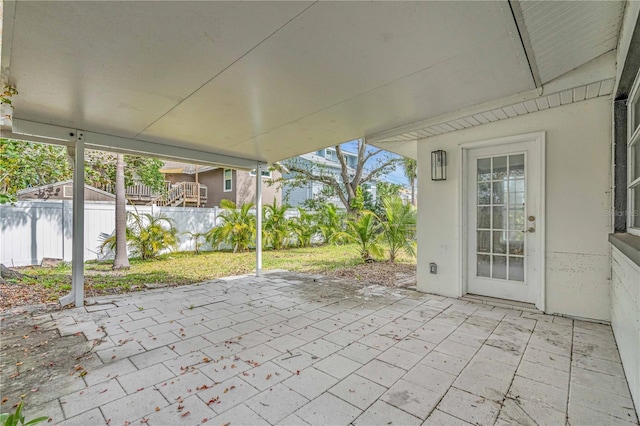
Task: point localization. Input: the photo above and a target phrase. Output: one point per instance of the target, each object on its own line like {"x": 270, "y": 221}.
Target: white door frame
{"x": 540, "y": 139}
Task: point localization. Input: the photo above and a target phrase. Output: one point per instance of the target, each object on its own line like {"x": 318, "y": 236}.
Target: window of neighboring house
{"x": 633, "y": 158}
{"x": 330, "y": 154}
{"x": 264, "y": 173}
{"x": 227, "y": 180}
{"x": 67, "y": 191}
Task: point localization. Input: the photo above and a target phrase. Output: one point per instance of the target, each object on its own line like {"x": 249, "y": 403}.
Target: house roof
{"x": 63, "y": 183}
{"x": 186, "y": 168}
{"x": 242, "y": 82}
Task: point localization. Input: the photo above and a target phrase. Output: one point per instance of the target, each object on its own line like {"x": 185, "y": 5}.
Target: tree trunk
{"x": 413, "y": 192}
{"x": 121, "y": 260}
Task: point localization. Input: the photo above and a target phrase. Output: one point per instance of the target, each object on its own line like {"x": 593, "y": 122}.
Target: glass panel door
{"x": 501, "y": 222}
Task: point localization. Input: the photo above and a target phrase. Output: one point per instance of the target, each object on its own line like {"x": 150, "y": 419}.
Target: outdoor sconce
{"x": 438, "y": 165}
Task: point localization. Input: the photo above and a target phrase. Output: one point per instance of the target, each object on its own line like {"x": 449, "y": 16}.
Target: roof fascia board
{"x": 40, "y": 132}
{"x": 600, "y": 68}
{"x": 630, "y": 24}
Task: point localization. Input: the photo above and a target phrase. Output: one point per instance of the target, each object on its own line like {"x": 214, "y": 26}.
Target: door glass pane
{"x": 484, "y": 265}
{"x": 497, "y": 193}
{"x": 636, "y": 112}
{"x": 499, "y": 217}
{"x": 516, "y": 268}
{"x": 484, "y": 241}
{"x": 501, "y": 197}
{"x": 484, "y": 217}
{"x": 516, "y": 218}
{"x": 484, "y": 193}
{"x": 516, "y": 243}
{"x": 484, "y": 169}
{"x": 516, "y": 166}
{"x": 499, "y": 269}
{"x": 635, "y": 214}
{"x": 499, "y": 168}
{"x": 635, "y": 152}
{"x": 499, "y": 243}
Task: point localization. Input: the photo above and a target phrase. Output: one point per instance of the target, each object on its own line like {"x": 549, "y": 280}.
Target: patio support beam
{"x": 77, "y": 259}
{"x": 259, "y": 219}
{"x": 62, "y": 136}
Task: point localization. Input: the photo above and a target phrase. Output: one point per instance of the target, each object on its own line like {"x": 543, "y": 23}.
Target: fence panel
{"x": 32, "y": 230}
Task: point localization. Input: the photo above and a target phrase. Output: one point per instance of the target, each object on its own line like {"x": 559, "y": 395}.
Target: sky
{"x": 396, "y": 176}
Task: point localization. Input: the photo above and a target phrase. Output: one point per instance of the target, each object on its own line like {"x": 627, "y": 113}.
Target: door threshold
{"x": 501, "y": 303}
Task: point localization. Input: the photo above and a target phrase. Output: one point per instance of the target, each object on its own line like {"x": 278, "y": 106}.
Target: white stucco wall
{"x": 625, "y": 317}
{"x": 578, "y": 158}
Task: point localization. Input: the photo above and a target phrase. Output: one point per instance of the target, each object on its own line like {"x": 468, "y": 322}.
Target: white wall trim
{"x": 540, "y": 139}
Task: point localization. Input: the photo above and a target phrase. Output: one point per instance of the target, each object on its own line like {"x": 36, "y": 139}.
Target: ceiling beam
{"x": 518, "y": 18}
{"x": 47, "y": 133}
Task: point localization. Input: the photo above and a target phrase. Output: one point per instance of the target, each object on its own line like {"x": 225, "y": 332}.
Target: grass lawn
{"x": 47, "y": 284}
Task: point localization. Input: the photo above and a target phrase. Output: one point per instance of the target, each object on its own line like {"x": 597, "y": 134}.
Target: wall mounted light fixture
{"x": 438, "y": 165}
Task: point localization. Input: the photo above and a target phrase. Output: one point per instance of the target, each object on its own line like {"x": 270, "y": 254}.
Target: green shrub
{"x": 399, "y": 229}
{"x": 237, "y": 228}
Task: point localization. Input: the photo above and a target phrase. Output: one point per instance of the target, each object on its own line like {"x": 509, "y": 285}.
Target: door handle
{"x": 531, "y": 230}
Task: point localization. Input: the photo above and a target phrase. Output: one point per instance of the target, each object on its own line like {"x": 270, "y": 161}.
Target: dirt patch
{"x": 400, "y": 275}
{"x": 34, "y": 359}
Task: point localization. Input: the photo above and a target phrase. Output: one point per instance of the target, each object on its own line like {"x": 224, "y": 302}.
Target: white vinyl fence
{"x": 33, "y": 230}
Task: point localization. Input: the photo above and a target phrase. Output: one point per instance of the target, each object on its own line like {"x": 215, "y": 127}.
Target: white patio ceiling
{"x": 268, "y": 80}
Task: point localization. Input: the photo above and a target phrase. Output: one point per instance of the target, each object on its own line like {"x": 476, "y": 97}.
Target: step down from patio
{"x": 502, "y": 303}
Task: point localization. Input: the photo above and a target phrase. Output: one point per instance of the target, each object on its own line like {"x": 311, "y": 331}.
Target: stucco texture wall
{"x": 578, "y": 183}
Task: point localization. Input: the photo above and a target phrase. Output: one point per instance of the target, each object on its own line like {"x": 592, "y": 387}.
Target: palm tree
{"x": 330, "y": 222}
{"x": 399, "y": 229}
{"x": 121, "y": 260}
{"x": 147, "y": 235}
{"x": 304, "y": 227}
{"x": 238, "y": 227}
{"x": 364, "y": 230}
{"x": 277, "y": 227}
{"x": 411, "y": 173}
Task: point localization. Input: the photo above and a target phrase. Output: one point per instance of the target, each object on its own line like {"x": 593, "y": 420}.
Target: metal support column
{"x": 258, "y": 220}
{"x": 77, "y": 257}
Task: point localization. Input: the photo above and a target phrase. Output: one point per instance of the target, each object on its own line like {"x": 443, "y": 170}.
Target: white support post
{"x": 77, "y": 260}
{"x": 258, "y": 220}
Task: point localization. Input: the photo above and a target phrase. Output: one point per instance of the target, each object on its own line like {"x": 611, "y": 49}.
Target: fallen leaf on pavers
{"x": 83, "y": 373}
{"x": 233, "y": 366}
{"x": 127, "y": 423}
{"x": 185, "y": 414}
{"x": 232, "y": 388}
{"x": 4, "y": 400}
{"x": 180, "y": 407}
{"x": 226, "y": 424}
{"x": 244, "y": 373}
{"x": 205, "y": 359}
{"x": 215, "y": 400}
{"x": 204, "y": 420}
{"x": 297, "y": 372}
{"x": 203, "y": 387}
{"x": 18, "y": 364}
{"x": 268, "y": 376}
{"x": 25, "y": 336}
{"x": 157, "y": 408}
{"x": 226, "y": 390}
{"x": 108, "y": 421}
{"x": 145, "y": 421}
{"x": 104, "y": 390}
{"x": 351, "y": 390}
{"x": 138, "y": 390}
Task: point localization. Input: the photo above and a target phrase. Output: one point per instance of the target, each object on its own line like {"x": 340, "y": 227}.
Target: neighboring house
{"x": 323, "y": 161}
{"x": 63, "y": 191}
{"x": 216, "y": 184}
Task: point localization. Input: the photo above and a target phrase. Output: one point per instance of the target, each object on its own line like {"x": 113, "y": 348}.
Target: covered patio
{"x": 293, "y": 349}
{"x": 524, "y": 118}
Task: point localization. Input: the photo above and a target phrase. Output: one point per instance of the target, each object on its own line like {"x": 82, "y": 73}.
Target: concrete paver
{"x": 294, "y": 349}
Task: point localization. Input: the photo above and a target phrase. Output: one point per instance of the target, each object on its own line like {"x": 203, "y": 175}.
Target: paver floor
{"x": 293, "y": 349}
